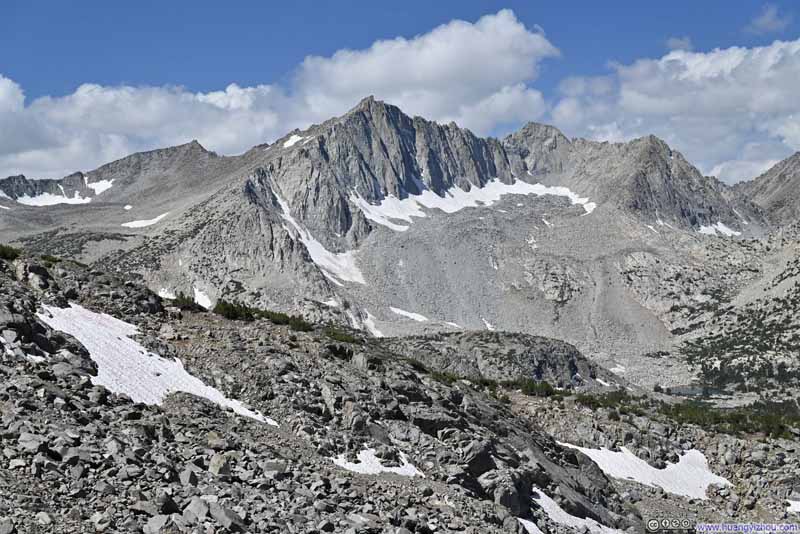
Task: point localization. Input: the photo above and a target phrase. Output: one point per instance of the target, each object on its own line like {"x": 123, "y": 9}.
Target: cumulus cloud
{"x": 680, "y": 43}
{"x": 477, "y": 74}
{"x": 732, "y": 111}
{"x": 770, "y": 20}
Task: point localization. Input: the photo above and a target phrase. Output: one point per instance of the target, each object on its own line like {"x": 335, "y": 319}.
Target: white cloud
{"x": 477, "y": 74}
{"x": 680, "y": 43}
{"x": 770, "y": 20}
{"x": 730, "y": 111}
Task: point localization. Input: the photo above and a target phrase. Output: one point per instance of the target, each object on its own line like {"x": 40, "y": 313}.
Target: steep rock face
{"x": 644, "y": 177}
{"x": 74, "y": 186}
{"x": 375, "y": 151}
{"x": 777, "y": 190}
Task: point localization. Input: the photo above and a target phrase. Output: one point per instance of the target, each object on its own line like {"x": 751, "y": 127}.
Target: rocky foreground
{"x": 383, "y": 436}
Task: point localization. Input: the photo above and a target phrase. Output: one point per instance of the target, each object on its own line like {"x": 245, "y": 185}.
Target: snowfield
{"x": 142, "y": 224}
{"x": 393, "y": 209}
{"x": 562, "y": 517}
{"x": 689, "y": 477}
{"x": 793, "y": 507}
{"x": 165, "y": 293}
{"x": 124, "y": 366}
{"x": 98, "y": 186}
{"x": 369, "y": 464}
{"x": 49, "y": 199}
{"x": 719, "y": 227}
{"x": 529, "y": 526}
{"x": 202, "y": 299}
{"x": 411, "y": 315}
{"x": 335, "y": 266}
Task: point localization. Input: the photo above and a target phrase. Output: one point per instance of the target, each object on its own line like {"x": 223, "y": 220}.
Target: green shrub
{"x": 340, "y": 336}
{"x": 186, "y": 303}
{"x": 444, "y": 377}
{"x": 240, "y": 312}
{"x": 9, "y": 253}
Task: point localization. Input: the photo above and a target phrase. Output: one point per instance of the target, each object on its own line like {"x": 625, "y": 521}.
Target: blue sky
{"x": 595, "y": 57}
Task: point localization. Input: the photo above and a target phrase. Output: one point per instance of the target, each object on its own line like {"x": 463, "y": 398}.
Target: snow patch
{"x": 124, "y": 366}
{"x": 49, "y": 199}
{"x": 602, "y": 382}
{"x": 341, "y": 266}
{"x": 652, "y": 229}
{"x": 562, "y": 517}
{"x": 719, "y": 227}
{"x": 333, "y": 303}
{"x": 127, "y": 207}
{"x": 294, "y": 139}
{"x": 618, "y": 369}
{"x": 142, "y": 224}
{"x": 99, "y": 186}
{"x": 202, "y": 299}
{"x": 369, "y": 464}
{"x": 369, "y": 323}
{"x": 392, "y": 209}
{"x": 165, "y": 293}
{"x": 529, "y": 526}
{"x": 411, "y": 315}
{"x": 689, "y": 477}
{"x": 454, "y": 325}
{"x": 793, "y": 507}
{"x": 489, "y": 326}
{"x": 4, "y": 208}
{"x": 547, "y": 223}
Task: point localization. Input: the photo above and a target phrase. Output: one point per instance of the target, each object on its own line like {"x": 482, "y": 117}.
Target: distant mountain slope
{"x": 400, "y": 225}
{"x": 777, "y": 190}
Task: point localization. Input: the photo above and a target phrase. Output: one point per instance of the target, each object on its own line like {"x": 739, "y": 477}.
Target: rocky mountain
{"x": 397, "y": 225}
{"x": 777, "y": 191}
{"x": 122, "y": 413}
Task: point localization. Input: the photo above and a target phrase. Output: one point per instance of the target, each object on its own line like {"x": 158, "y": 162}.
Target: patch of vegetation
{"x": 49, "y": 260}
{"x": 186, "y": 303}
{"x": 444, "y": 377}
{"x": 240, "y": 312}
{"x": 341, "y": 336}
{"x": 534, "y": 388}
{"x": 775, "y": 419}
{"x": 9, "y": 253}
{"x": 417, "y": 365}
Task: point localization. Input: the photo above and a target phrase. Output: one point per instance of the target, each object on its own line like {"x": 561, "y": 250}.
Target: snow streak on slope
{"x": 369, "y": 464}
{"x": 411, "y": 315}
{"x": 690, "y": 477}
{"x": 455, "y": 199}
{"x": 562, "y": 517}
{"x": 341, "y": 266}
{"x": 142, "y": 224}
{"x": 124, "y": 366}
{"x": 719, "y": 227}
{"x": 292, "y": 140}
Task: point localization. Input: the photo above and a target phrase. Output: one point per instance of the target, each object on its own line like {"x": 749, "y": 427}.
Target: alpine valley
{"x": 381, "y": 324}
